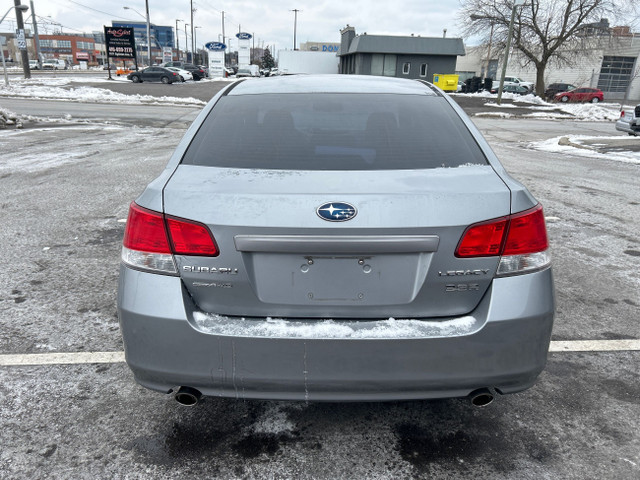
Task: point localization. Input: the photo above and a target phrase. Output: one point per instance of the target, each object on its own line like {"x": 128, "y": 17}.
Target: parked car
{"x": 154, "y": 74}
{"x": 185, "y": 75}
{"x": 555, "y": 88}
{"x": 205, "y": 69}
{"x": 275, "y": 259}
{"x": 582, "y": 94}
{"x": 243, "y": 72}
{"x": 629, "y": 120}
{"x": 123, "y": 71}
{"x": 33, "y": 65}
{"x": 517, "y": 89}
{"x": 54, "y": 64}
{"x": 197, "y": 72}
{"x": 510, "y": 80}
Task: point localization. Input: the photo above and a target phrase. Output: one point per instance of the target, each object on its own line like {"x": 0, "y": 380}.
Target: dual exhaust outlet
{"x": 189, "y": 397}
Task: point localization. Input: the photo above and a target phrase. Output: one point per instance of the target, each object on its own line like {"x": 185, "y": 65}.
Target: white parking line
{"x": 61, "y": 358}
{"x": 595, "y": 346}
{"x": 35, "y": 359}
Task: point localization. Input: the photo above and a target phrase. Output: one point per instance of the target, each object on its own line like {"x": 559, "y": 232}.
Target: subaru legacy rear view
{"x": 335, "y": 238}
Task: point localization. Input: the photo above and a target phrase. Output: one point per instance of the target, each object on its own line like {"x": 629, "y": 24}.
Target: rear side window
{"x": 333, "y": 132}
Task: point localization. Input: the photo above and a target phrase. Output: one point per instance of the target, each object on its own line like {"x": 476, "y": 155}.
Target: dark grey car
{"x": 335, "y": 238}
{"x": 154, "y": 74}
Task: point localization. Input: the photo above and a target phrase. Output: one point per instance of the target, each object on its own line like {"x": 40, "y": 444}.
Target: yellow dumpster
{"x": 446, "y": 82}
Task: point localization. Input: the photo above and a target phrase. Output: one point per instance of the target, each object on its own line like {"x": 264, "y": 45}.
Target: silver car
{"x": 335, "y": 238}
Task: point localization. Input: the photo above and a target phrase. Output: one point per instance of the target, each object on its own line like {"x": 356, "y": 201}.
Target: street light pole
{"x": 295, "y": 25}
{"x": 516, "y": 3}
{"x": 18, "y": 8}
{"x": 195, "y": 41}
{"x": 178, "y": 38}
{"x": 186, "y": 42}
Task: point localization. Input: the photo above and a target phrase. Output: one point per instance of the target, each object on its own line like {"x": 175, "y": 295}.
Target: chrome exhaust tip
{"x": 481, "y": 397}
{"x": 187, "y": 396}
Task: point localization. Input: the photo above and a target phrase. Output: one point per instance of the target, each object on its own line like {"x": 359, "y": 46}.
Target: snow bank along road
{"x": 71, "y": 408}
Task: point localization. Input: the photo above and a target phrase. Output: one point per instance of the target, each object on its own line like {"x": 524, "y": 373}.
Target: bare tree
{"x": 543, "y": 30}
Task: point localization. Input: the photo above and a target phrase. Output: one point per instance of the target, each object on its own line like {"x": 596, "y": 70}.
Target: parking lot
{"x": 70, "y": 407}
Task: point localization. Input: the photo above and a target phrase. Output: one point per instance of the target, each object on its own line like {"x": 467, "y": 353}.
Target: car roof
{"x": 332, "y": 84}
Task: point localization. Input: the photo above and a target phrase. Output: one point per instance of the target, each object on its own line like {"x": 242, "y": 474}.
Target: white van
{"x": 54, "y": 64}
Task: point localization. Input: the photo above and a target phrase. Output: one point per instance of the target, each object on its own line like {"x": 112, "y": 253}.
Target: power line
{"x": 96, "y": 10}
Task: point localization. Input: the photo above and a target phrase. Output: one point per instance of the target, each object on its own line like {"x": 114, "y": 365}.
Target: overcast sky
{"x": 270, "y": 20}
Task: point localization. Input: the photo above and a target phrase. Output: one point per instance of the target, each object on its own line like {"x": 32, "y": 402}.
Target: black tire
{"x": 196, "y": 77}
{"x": 564, "y": 99}
{"x": 595, "y": 100}
{"x": 136, "y": 79}
{"x": 182, "y": 78}
{"x": 165, "y": 80}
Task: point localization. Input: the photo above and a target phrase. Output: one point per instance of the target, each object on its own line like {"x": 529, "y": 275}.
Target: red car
{"x": 581, "y": 94}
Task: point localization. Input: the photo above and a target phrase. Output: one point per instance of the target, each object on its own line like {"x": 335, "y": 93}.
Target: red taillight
{"x": 190, "y": 238}
{"x": 525, "y": 233}
{"x": 145, "y": 231}
{"x": 482, "y": 239}
{"x": 622, "y": 114}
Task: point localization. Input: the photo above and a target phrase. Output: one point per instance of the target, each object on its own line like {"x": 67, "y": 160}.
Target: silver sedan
{"x": 335, "y": 238}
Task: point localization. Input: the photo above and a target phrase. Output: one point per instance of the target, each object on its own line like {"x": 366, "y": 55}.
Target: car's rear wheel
{"x": 164, "y": 80}
{"x": 182, "y": 78}
{"x": 564, "y": 99}
{"x": 595, "y": 100}
{"x": 135, "y": 79}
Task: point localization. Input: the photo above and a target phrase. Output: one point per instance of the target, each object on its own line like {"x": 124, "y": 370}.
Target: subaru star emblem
{"x": 336, "y": 211}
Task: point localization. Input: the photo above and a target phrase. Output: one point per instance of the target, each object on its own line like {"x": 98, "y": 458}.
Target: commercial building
{"x": 72, "y": 48}
{"x": 405, "y": 57}
{"x": 320, "y": 47}
{"x": 607, "y": 59}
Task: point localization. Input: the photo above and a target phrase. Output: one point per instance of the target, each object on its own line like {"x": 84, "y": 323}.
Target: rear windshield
{"x": 333, "y": 132}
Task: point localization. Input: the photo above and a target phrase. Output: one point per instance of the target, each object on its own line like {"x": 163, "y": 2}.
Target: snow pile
{"x": 324, "y": 329}
{"x": 91, "y": 95}
{"x": 579, "y": 145}
{"x": 593, "y": 112}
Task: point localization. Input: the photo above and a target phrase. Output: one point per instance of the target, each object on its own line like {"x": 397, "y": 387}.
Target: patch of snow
{"x": 502, "y": 105}
{"x": 326, "y": 329}
{"x": 552, "y": 145}
{"x": 494, "y": 114}
{"x": 51, "y": 89}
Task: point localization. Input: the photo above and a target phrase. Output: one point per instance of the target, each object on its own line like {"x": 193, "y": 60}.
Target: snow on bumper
{"x": 502, "y": 344}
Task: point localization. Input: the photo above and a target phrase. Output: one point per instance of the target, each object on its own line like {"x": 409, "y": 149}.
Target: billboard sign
{"x": 167, "y": 54}
{"x": 244, "y": 36}
{"x": 120, "y": 42}
{"x": 215, "y": 46}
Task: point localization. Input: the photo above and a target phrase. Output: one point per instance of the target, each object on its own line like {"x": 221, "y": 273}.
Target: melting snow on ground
{"x": 581, "y": 145}
{"x": 323, "y": 329}
{"x": 61, "y": 89}
{"x": 587, "y": 112}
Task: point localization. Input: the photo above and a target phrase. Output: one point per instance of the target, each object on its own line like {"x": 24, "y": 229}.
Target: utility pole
{"x": 178, "y": 38}
{"x": 192, "y": 45}
{"x": 186, "y": 42}
{"x": 35, "y": 33}
{"x": 148, "y": 33}
{"x": 295, "y": 25}
{"x": 23, "y": 53}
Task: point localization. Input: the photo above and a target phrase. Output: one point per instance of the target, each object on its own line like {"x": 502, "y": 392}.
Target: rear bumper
{"x": 623, "y": 126}
{"x": 504, "y": 346}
